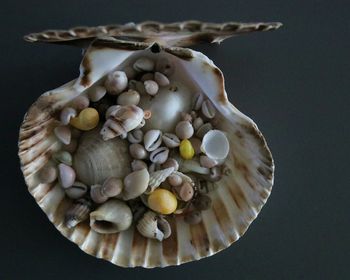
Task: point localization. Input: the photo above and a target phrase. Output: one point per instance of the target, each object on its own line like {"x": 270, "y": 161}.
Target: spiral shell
{"x": 78, "y": 212}
{"x": 121, "y": 121}
{"x": 150, "y": 227}
{"x": 111, "y": 217}
{"x": 158, "y": 177}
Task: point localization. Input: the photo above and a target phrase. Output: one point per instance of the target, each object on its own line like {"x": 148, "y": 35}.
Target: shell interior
{"x": 237, "y": 198}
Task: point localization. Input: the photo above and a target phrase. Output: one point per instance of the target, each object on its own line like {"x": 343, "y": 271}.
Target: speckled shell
{"x": 237, "y": 198}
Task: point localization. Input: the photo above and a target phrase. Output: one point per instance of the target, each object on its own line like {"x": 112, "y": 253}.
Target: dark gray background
{"x": 293, "y": 82}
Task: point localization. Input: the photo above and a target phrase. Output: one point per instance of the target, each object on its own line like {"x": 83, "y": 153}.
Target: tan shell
{"x": 94, "y": 161}
{"x": 239, "y": 196}
{"x": 158, "y": 177}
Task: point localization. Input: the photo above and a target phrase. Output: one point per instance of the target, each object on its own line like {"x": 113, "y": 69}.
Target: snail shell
{"x": 96, "y": 93}
{"x": 111, "y": 217}
{"x": 171, "y": 140}
{"x": 122, "y": 120}
{"x": 144, "y": 64}
{"x": 78, "y": 212}
{"x": 135, "y": 184}
{"x": 96, "y": 159}
{"x": 215, "y": 145}
{"x": 135, "y": 136}
{"x": 158, "y": 177}
{"x": 153, "y": 226}
{"x": 130, "y": 97}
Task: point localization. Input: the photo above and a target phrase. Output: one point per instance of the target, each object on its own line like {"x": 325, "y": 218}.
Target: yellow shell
{"x": 86, "y": 120}
{"x": 186, "y": 149}
{"x": 162, "y": 201}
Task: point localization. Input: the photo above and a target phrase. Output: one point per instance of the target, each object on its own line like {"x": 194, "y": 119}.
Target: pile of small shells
{"x": 167, "y": 169}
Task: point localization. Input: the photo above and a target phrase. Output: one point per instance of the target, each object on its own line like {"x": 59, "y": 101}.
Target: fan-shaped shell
{"x": 236, "y": 201}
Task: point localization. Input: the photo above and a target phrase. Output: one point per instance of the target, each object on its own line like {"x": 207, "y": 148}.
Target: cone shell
{"x": 236, "y": 201}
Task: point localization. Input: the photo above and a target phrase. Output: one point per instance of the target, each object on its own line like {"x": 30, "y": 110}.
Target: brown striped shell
{"x": 236, "y": 199}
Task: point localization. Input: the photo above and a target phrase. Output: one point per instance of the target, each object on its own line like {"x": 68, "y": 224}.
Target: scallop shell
{"x": 158, "y": 177}
{"x": 239, "y": 196}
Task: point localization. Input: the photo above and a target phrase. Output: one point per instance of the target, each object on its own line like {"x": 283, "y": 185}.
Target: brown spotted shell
{"x": 236, "y": 199}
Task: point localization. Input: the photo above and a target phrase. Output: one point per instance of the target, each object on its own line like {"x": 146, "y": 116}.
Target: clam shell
{"x": 236, "y": 201}
{"x": 95, "y": 159}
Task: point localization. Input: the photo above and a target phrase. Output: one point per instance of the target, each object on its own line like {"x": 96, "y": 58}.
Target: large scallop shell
{"x": 239, "y": 196}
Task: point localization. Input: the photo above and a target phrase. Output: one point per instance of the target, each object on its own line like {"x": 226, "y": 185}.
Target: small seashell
{"x": 135, "y": 184}
{"x": 215, "y": 145}
{"x": 165, "y": 66}
{"x": 147, "y": 114}
{"x": 67, "y": 114}
{"x": 193, "y": 115}
{"x": 135, "y": 136}
{"x": 202, "y": 130}
{"x": 193, "y": 218}
{"x": 112, "y": 187}
{"x": 147, "y": 76}
{"x": 63, "y": 157}
{"x": 152, "y": 139}
{"x": 96, "y": 93}
{"x": 196, "y": 144}
{"x": 197, "y": 101}
{"x": 202, "y": 202}
{"x": 184, "y": 191}
{"x": 116, "y": 82}
{"x": 175, "y": 180}
{"x": 86, "y": 120}
{"x": 208, "y": 109}
{"x": 111, "y": 217}
{"x": 47, "y": 174}
{"x": 151, "y": 87}
{"x": 184, "y": 177}
{"x": 162, "y": 201}
{"x": 161, "y": 79}
{"x": 154, "y": 167}
{"x": 197, "y": 123}
{"x": 144, "y": 64}
{"x": 78, "y": 212}
{"x": 130, "y": 97}
{"x": 63, "y": 134}
{"x": 111, "y": 110}
{"x": 72, "y": 146}
{"x": 130, "y": 72}
{"x": 138, "y": 164}
{"x": 171, "y": 140}
{"x": 159, "y": 155}
{"x": 171, "y": 162}
{"x": 186, "y": 117}
{"x": 96, "y": 195}
{"x": 215, "y": 174}
{"x": 207, "y": 162}
{"x": 80, "y": 103}
{"x": 137, "y": 151}
{"x": 158, "y": 177}
{"x": 186, "y": 149}
{"x": 184, "y": 130}
{"x": 66, "y": 175}
{"x": 193, "y": 166}
{"x": 153, "y": 226}
{"x": 121, "y": 121}
{"x": 142, "y": 124}
{"x": 77, "y": 190}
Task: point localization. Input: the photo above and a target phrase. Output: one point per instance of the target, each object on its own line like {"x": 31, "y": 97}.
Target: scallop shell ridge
{"x": 236, "y": 202}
